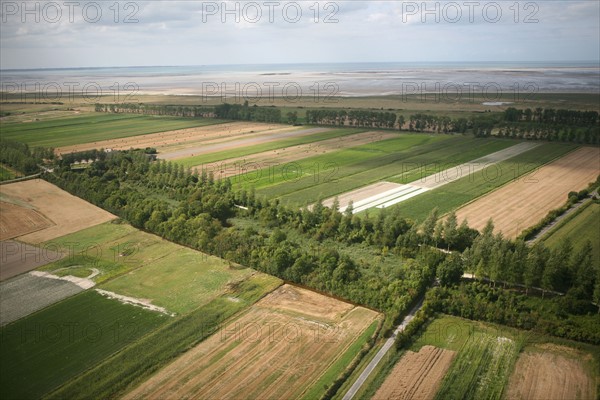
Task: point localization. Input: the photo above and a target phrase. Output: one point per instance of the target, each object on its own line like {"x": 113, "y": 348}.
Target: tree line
{"x": 551, "y": 124}
{"x": 157, "y": 109}
{"x": 23, "y": 158}
{"x": 538, "y": 124}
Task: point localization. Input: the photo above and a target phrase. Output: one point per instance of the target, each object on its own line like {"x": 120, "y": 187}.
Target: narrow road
{"x": 571, "y": 210}
{"x": 382, "y": 352}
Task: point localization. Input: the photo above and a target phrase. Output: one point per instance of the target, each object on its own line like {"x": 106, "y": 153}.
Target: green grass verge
{"x": 259, "y": 148}
{"x": 93, "y": 127}
{"x": 582, "y": 226}
{"x": 46, "y": 349}
{"x": 124, "y": 370}
{"x": 455, "y": 194}
{"x": 337, "y": 368}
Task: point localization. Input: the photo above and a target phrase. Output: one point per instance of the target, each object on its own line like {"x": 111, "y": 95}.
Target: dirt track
{"x": 68, "y": 213}
{"x": 550, "y": 375}
{"x": 251, "y": 163}
{"x": 270, "y": 352}
{"x": 524, "y": 202}
{"x": 417, "y": 375}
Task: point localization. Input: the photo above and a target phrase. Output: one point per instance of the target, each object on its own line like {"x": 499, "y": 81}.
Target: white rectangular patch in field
{"x": 380, "y": 194}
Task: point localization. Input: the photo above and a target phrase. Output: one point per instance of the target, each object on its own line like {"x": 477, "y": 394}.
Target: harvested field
{"x": 238, "y": 142}
{"x": 555, "y": 373}
{"x": 417, "y": 375}
{"x": 68, "y": 213}
{"x": 17, "y": 221}
{"x": 19, "y": 257}
{"x": 28, "y": 293}
{"x": 250, "y": 164}
{"x": 270, "y": 352}
{"x": 524, "y": 202}
{"x": 180, "y": 137}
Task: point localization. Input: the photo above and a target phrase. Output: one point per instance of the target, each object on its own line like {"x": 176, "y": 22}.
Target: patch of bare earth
{"x": 550, "y": 375}
{"x": 249, "y": 164}
{"x": 275, "y": 350}
{"x": 417, "y": 375}
{"x": 68, "y": 213}
{"x": 522, "y": 203}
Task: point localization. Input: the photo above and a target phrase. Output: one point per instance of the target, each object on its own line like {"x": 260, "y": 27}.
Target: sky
{"x": 62, "y": 34}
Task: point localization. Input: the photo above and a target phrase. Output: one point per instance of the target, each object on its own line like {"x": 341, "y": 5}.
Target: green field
{"x": 46, "y": 349}
{"x": 455, "y": 194}
{"x": 259, "y": 148}
{"x": 138, "y": 361}
{"x": 137, "y": 264}
{"x": 578, "y": 228}
{"x": 485, "y": 357}
{"x": 400, "y": 159}
{"x": 93, "y": 127}
{"x": 180, "y": 281}
{"x": 112, "y": 248}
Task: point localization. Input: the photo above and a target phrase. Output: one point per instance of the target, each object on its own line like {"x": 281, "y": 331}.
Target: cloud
{"x": 197, "y": 32}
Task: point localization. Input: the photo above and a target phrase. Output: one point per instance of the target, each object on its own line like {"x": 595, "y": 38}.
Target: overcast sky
{"x": 194, "y": 33}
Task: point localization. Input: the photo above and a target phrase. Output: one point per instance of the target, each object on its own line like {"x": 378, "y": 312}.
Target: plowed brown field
{"x": 417, "y": 375}
{"x": 67, "y": 213}
{"x": 549, "y": 375}
{"x": 524, "y": 202}
{"x": 276, "y": 350}
{"x": 174, "y": 140}
{"x": 17, "y": 220}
